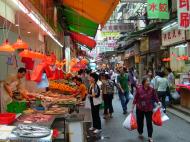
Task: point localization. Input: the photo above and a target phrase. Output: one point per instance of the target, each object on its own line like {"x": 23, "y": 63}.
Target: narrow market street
{"x": 70, "y": 67}
{"x": 174, "y": 130}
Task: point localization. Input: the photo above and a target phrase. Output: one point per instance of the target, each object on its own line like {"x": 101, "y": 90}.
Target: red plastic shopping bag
{"x": 29, "y": 63}
{"x": 61, "y": 74}
{"x": 37, "y": 73}
{"x": 157, "y": 117}
{"x": 55, "y": 75}
{"x": 130, "y": 122}
{"x": 49, "y": 72}
{"x": 28, "y": 77}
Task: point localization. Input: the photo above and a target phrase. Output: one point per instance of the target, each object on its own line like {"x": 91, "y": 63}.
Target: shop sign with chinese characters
{"x": 158, "y": 9}
{"x": 172, "y": 36}
{"x": 106, "y": 44}
{"x": 184, "y": 14}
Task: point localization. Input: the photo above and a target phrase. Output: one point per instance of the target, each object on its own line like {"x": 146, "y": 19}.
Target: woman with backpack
{"x": 108, "y": 92}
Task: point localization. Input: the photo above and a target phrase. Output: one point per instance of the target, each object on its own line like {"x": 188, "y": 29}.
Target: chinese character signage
{"x": 172, "y": 36}
{"x": 158, "y": 9}
{"x": 184, "y": 14}
{"x": 106, "y": 44}
{"x": 122, "y": 27}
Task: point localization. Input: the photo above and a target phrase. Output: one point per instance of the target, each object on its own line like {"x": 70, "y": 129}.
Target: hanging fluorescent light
{"x": 181, "y": 46}
{"x": 36, "y": 19}
{"x": 169, "y": 26}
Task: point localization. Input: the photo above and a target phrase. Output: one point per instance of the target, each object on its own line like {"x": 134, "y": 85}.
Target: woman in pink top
{"x": 144, "y": 100}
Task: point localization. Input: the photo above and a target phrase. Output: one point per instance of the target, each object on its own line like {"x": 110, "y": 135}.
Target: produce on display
{"x": 61, "y": 86}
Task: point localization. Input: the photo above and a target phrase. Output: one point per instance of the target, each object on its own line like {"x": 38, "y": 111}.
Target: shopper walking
{"x": 143, "y": 100}
{"x": 95, "y": 101}
{"x": 162, "y": 89}
{"x": 153, "y": 82}
{"x": 108, "y": 92}
{"x": 171, "y": 77}
{"x": 123, "y": 88}
{"x": 132, "y": 80}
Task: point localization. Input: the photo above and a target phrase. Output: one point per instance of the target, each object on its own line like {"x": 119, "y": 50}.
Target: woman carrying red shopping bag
{"x": 144, "y": 99}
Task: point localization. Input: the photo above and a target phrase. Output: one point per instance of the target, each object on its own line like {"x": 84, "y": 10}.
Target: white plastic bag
{"x": 175, "y": 95}
{"x": 87, "y": 103}
{"x": 130, "y": 122}
{"x": 164, "y": 117}
{"x": 131, "y": 96}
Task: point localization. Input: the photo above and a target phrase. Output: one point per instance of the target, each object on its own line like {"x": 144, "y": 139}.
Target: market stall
{"x": 185, "y": 95}
{"x": 47, "y": 110}
{"x": 48, "y": 114}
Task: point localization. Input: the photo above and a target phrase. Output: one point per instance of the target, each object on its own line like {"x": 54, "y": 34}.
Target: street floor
{"x": 174, "y": 130}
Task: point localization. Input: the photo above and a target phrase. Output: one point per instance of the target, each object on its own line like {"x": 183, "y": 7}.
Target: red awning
{"x": 82, "y": 39}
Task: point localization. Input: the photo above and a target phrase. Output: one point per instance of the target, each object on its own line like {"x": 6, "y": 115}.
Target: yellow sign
{"x": 110, "y": 34}
{"x": 137, "y": 59}
{"x": 144, "y": 45}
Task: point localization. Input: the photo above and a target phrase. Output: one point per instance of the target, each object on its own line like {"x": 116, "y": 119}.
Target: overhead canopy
{"x": 78, "y": 23}
{"x": 82, "y": 39}
{"x": 98, "y": 11}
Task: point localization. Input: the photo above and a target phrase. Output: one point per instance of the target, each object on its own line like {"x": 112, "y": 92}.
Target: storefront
{"x": 174, "y": 40}
{"x": 130, "y": 55}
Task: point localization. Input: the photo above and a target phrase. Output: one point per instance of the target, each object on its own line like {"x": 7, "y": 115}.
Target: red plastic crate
{"x": 7, "y": 118}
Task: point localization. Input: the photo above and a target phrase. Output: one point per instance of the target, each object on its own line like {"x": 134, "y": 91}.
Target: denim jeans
{"x": 124, "y": 98}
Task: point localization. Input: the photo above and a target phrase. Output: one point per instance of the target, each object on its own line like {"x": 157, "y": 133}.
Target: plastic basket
{"x": 7, "y": 118}
{"x": 16, "y": 107}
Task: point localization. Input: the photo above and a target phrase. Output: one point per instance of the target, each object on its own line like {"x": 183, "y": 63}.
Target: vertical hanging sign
{"x": 157, "y": 9}
{"x": 183, "y": 14}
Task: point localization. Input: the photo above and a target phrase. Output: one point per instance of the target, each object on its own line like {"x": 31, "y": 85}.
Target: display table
{"x": 185, "y": 95}
{"x": 56, "y": 122}
{"x": 14, "y": 138}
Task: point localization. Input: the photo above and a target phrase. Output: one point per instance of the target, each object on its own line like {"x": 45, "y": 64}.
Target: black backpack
{"x": 110, "y": 87}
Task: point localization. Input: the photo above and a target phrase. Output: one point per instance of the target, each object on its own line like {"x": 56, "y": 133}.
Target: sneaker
{"x": 97, "y": 131}
{"x": 91, "y": 128}
{"x": 150, "y": 140}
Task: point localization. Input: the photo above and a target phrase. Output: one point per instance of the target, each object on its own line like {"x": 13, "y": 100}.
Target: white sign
{"x": 106, "y": 44}
{"x": 183, "y": 7}
{"x": 172, "y": 36}
{"x": 122, "y": 27}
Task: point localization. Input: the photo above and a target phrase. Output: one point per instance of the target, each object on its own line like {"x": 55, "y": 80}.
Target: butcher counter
{"x": 66, "y": 125}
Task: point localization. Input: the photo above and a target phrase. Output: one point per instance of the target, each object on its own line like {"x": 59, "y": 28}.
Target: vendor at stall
{"x": 13, "y": 89}
{"x": 82, "y": 90}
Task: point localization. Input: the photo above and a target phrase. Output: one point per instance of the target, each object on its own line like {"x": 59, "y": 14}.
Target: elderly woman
{"x": 144, "y": 100}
